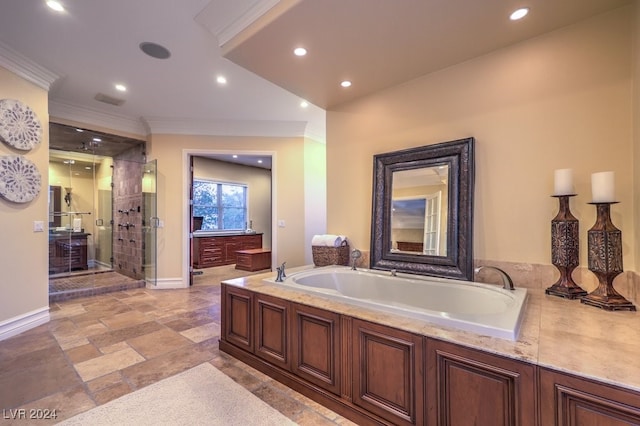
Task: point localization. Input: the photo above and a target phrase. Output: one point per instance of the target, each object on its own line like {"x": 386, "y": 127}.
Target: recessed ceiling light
{"x": 519, "y": 14}
{"x": 260, "y": 161}
{"x": 304, "y": 104}
{"x": 87, "y": 168}
{"x": 55, "y": 5}
{"x": 235, "y": 156}
{"x": 97, "y": 140}
{"x": 121, "y": 87}
{"x": 155, "y": 50}
{"x": 299, "y": 51}
{"x": 345, "y": 83}
{"x": 79, "y": 130}
{"x": 221, "y": 80}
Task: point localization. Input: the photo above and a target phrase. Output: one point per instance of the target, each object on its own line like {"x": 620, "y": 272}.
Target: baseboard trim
{"x": 16, "y": 325}
{"x": 167, "y": 283}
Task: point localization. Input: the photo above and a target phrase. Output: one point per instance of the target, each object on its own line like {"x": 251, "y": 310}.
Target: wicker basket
{"x": 324, "y": 256}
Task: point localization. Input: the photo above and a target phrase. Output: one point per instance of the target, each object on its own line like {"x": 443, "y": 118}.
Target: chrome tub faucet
{"x": 507, "y": 282}
{"x": 281, "y": 273}
{"x": 355, "y": 255}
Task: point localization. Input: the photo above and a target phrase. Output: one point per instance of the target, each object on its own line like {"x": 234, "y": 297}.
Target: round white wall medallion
{"x": 19, "y": 125}
{"x": 19, "y": 179}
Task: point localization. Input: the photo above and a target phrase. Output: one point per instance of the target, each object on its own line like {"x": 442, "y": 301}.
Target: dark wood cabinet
{"x": 221, "y": 250}
{"x": 316, "y": 337}
{"x": 567, "y": 400}
{"x": 470, "y": 387}
{"x": 237, "y": 317}
{"x": 67, "y": 252}
{"x": 253, "y": 259}
{"x": 272, "y": 330}
{"x": 380, "y": 375}
{"x": 388, "y": 372}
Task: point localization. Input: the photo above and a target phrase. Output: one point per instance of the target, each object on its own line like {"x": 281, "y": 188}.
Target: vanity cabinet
{"x": 470, "y": 387}
{"x": 221, "y": 250}
{"x": 567, "y": 400}
{"x": 67, "y": 252}
{"x": 388, "y": 372}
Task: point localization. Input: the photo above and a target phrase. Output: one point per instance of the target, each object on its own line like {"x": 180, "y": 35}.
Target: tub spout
{"x": 507, "y": 283}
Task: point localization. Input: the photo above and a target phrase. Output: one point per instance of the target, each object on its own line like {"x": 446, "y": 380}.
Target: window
{"x": 222, "y": 205}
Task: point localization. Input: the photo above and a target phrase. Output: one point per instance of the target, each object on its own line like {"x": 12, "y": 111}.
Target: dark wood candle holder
{"x": 605, "y": 261}
{"x": 565, "y": 250}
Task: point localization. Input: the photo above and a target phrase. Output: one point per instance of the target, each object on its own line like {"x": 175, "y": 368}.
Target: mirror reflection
{"x": 419, "y": 207}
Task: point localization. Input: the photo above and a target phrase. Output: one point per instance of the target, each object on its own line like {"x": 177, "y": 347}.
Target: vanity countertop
{"x": 562, "y": 334}
{"x": 200, "y": 234}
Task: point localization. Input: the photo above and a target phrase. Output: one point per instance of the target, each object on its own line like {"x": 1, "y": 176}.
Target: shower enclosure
{"x": 101, "y": 213}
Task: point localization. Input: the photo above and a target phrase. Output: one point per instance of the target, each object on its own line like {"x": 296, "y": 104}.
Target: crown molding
{"x": 159, "y": 125}
{"x": 266, "y": 128}
{"x": 234, "y": 22}
{"x": 26, "y": 68}
{"x": 86, "y": 115}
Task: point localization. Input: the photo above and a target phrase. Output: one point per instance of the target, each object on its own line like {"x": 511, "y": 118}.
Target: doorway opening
{"x": 230, "y": 214}
{"x": 101, "y": 210}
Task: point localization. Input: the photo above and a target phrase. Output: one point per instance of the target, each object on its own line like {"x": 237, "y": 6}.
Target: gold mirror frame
{"x": 457, "y": 263}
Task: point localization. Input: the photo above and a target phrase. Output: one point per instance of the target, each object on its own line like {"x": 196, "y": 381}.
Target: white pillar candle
{"x": 603, "y": 187}
{"x": 563, "y": 182}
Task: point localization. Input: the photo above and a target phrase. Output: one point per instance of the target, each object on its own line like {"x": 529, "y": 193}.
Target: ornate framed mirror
{"x": 423, "y": 210}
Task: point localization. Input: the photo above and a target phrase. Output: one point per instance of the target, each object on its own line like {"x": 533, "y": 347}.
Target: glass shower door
{"x": 150, "y": 221}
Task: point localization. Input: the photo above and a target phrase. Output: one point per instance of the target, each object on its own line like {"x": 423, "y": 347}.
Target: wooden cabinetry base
{"x": 319, "y": 395}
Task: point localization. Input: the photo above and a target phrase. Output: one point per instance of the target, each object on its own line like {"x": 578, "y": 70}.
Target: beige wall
{"x": 562, "y": 100}
{"x": 24, "y": 283}
{"x": 315, "y": 194}
{"x": 258, "y": 183}
{"x": 289, "y": 203}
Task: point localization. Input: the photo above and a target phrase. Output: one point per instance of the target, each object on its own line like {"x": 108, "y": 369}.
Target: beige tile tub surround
{"x": 537, "y": 276}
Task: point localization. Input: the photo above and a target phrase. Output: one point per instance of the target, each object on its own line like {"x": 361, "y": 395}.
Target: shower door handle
{"x": 154, "y": 222}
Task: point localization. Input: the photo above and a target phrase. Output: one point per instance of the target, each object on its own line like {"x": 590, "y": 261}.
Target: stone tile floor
{"x": 99, "y": 348}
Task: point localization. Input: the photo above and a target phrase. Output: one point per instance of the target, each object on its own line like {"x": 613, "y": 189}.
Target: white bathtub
{"x": 481, "y": 308}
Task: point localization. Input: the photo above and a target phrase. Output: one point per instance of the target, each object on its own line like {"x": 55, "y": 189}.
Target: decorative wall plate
{"x": 19, "y": 125}
{"x": 19, "y": 178}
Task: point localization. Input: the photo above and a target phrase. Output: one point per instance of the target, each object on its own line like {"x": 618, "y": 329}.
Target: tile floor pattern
{"x": 98, "y": 348}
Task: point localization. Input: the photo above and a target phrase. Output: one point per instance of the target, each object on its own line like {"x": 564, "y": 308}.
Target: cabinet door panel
{"x": 387, "y": 372}
{"x": 237, "y": 319}
{"x": 468, "y": 387}
{"x": 316, "y": 347}
{"x": 272, "y": 330}
{"x": 568, "y": 400}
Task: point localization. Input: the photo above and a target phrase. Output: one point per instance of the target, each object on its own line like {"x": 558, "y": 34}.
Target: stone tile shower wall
{"x": 128, "y": 214}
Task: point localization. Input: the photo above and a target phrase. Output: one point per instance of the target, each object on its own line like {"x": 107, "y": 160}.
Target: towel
{"x": 328, "y": 240}
{"x": 77, "y": 225}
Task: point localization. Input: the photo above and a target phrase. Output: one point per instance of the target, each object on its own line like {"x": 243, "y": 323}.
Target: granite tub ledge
{"x": 560, "y": 334}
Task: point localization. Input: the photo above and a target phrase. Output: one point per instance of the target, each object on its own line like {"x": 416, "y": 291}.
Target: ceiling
{"x": 376, "y": 44}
